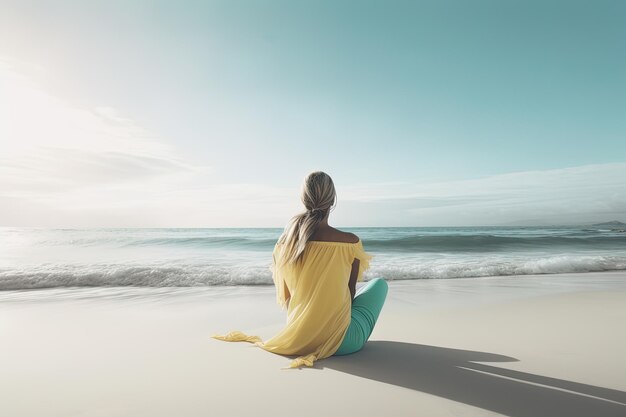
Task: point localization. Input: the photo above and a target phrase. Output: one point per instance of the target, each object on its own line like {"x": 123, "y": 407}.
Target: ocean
{"x": 32, "y": 258}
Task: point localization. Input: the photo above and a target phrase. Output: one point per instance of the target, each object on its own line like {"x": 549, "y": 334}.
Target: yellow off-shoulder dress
{"x": 318, "y": 311}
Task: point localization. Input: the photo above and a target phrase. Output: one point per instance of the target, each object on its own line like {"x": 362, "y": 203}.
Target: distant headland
{"x": 613, "y": 226}
{"x": 613, "y": 223}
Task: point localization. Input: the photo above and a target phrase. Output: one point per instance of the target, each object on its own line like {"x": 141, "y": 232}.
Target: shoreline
{"x": 574, "y": 278}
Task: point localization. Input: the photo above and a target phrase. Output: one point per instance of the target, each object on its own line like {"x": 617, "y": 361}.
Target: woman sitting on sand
{"x": 315, "y": 269}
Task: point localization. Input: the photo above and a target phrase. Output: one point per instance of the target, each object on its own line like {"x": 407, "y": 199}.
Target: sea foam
{"x": 111, "y": 275}
{"x": 56, "y": 258}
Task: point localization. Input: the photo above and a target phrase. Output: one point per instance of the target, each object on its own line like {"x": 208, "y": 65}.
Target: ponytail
{"x": 319, "y": 197}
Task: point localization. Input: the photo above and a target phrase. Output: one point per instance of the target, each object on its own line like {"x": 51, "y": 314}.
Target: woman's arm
{"x": 353, "y": 276}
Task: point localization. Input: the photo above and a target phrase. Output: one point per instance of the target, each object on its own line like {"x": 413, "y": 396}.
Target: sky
{"x": 211, "y": 113}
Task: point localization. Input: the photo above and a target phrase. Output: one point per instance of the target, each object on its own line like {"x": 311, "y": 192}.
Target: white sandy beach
{"x": 549, "y": 345}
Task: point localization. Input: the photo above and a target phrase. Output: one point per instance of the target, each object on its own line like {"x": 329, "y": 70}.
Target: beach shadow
{"x": 455, "y": 375}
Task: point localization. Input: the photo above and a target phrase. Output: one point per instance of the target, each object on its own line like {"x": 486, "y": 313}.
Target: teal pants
{"x": 366, "y": 306}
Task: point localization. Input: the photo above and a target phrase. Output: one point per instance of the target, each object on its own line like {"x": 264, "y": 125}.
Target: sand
{"x": 550, "y": 345}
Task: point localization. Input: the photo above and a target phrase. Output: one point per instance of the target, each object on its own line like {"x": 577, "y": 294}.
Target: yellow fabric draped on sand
{"x": 317, "y": 298}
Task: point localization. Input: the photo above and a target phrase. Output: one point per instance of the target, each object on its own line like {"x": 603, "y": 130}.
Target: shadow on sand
{"x": 455, "y": 375}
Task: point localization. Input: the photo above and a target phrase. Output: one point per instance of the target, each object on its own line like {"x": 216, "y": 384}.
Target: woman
{"x": 315, "y": 269}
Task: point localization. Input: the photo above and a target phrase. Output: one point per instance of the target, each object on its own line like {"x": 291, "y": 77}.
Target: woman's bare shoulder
{"x": 350, "y": 237}
{"x": 331, "y": 234}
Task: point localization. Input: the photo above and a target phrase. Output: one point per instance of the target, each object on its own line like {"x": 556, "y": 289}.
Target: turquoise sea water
{"x": 48, "y": 258}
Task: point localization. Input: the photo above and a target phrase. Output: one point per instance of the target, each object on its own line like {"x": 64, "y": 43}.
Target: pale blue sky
{"x": 403, "y": 103}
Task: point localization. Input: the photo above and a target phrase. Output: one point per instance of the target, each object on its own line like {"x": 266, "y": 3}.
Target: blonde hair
{"x": 319, "y": 197}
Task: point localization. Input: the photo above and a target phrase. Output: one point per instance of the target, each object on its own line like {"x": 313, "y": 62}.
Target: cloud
{"x": 48, "y": 136}
{"x": 66, "y": 166}
{"x": 56, "y": 157}
{"x": 62, "y": 165}
{"x": 559, "y": 196}
{"x": 46, "y": 169}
